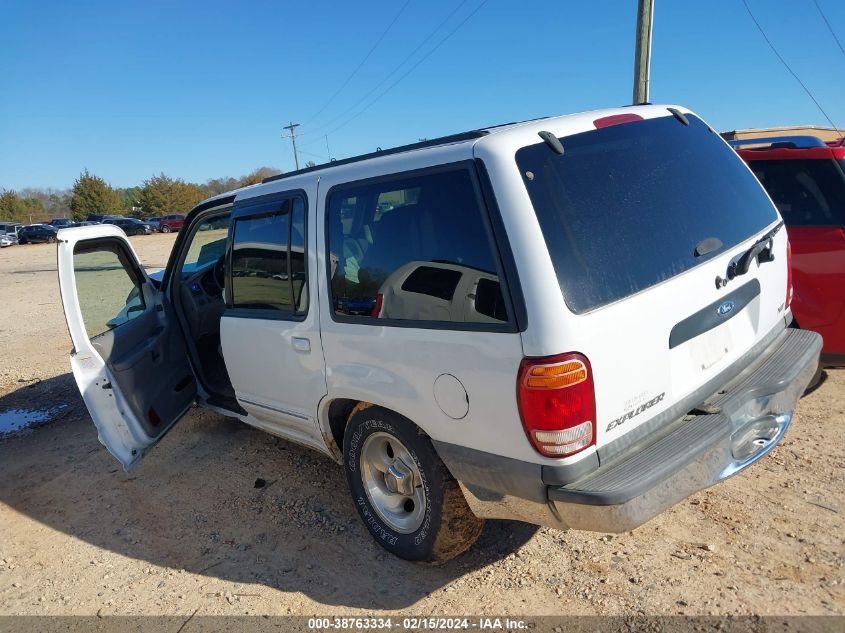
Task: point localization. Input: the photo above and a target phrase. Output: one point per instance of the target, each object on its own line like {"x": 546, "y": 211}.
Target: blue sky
{"x": 202, "y": 89}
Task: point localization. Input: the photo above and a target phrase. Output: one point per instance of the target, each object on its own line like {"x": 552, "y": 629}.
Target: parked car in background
{"x": 36, "y": 233}
{"x": 98, "y": 218}
{"x": 555, "y": 321}
{"x": 10, "y": 229}
{"x": 171, "y": 223}
{"x": 130, "y": 226}
{"x": 154, "y": 223}
{"x": 5, "y": 240}
{"x": 61, "y": 223}
{"x": 805, "y": 178}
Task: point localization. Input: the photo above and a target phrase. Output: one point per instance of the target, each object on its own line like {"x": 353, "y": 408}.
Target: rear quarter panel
{"x": 396, "y": 367}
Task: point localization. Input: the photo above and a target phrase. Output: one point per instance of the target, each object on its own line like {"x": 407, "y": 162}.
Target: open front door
{"x": 129, "y": 357}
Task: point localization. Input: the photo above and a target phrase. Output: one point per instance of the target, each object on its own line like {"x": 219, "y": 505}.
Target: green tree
{"x": 92, "y": 194}
{"x": 130, "y": 198}
{"x": 216, "y": 186}
{"x": 54, "y": 202}
{"x": 162, "y": 195}
{"x": 17, "y": 209}
{"x": 257, "y": 175}
{"x": 12, "y": 207}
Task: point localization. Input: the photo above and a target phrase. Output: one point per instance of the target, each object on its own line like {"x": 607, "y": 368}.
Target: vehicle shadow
{"x": 220, "y": 499}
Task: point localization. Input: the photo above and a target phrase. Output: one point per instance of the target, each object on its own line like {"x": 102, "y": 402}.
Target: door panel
{"x": 274, "y": 380}
{"x": 129, "y": 361}
{"x": 818, "y": 267}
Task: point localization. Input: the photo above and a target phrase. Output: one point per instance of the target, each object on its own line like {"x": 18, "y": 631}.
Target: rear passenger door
{"x": 403, "y": 325}
{"x": 270, "y": 329}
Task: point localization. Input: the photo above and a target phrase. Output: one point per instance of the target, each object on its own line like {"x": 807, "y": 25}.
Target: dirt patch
{"x": 188, "y": 531}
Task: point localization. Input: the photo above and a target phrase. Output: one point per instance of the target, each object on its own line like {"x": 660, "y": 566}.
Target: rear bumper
{"x": 727, "y": 432}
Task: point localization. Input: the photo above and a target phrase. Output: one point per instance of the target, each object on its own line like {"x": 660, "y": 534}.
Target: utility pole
{"x": 642, "y": 54}
{"x": 292, "y": 127}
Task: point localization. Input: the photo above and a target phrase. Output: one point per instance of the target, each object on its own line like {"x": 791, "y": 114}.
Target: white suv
{"x": 575, "y": 321}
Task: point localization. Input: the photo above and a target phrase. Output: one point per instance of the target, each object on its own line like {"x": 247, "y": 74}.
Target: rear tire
{"x": 429, "y": 519}
{"x": 165, "y": 229}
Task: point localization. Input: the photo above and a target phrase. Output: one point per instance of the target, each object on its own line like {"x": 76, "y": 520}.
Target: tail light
{"x": 557, "y": 403}
{"x": 788, "y": 275}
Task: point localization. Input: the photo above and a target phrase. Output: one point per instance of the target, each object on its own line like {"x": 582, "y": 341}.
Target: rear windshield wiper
{"x": 762, "y": 250}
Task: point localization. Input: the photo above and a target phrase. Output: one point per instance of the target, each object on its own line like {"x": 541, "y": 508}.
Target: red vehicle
{"x": 805, "y": 177}
{"x": 170, "y": 223}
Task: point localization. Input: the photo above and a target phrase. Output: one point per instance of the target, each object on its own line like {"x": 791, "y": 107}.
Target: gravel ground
{"x": 188, "y": 531}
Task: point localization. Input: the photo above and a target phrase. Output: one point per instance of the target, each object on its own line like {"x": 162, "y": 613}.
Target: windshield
{"x": 807, "y": 192}
{"x": 625, "y": 206}
{"x": 208, "y": 244}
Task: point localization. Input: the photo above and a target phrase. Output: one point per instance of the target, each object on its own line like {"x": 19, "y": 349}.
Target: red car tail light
{"x": 376, "y": 311}
{"x": 557, "y": 403}
{"x": 788, "y": 275}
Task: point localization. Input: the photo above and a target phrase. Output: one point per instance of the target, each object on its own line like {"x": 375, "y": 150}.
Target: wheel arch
{"x": 336, "y": 413}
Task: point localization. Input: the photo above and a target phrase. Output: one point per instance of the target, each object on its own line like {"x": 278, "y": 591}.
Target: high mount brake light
{"x": 557, "y": 403}
{"x": 616, "y": 119}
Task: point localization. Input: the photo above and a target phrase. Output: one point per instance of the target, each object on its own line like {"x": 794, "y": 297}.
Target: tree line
{"x": 90, "y": 194}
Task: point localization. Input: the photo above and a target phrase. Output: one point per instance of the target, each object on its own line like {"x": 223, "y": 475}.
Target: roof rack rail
{"x": 781, "y": 142}
{"x": 434, "y": 142}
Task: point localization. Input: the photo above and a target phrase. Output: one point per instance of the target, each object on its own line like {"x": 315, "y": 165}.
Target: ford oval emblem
{"x": 725, "y": 308}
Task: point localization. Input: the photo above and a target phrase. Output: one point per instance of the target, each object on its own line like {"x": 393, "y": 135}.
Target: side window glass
{"x": 109, "y": 295}
{"x": 269, "y": 265}
{"x": 208, "y": 243}
{"x": 412, "y": 249}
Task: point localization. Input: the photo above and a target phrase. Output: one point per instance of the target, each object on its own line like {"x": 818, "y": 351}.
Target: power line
{"x": 411, "y": 69}
{"x": 320, "y": 156}
{"x": 396, "y": 69}
{"x": 783, "y": 61}
{"x": 361, "y": 63}
{"x": 829, "y": 28}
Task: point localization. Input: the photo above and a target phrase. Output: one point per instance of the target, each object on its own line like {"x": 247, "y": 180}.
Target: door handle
{"x": 301, "y": 344}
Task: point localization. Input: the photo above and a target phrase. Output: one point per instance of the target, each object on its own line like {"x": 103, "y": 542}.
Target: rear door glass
{"x": 410, "y": 247}
{"x": 625, "y": 206}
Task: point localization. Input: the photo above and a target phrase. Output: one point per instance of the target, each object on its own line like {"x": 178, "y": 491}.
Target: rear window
{"x": 404, "y": 244}
{"x": 434, "y": 282}
{"x": 806, "y": 192}
{"x": 625, "y": 206}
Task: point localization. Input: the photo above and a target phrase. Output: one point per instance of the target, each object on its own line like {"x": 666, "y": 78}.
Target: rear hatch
{"x": 643, "y": 221}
